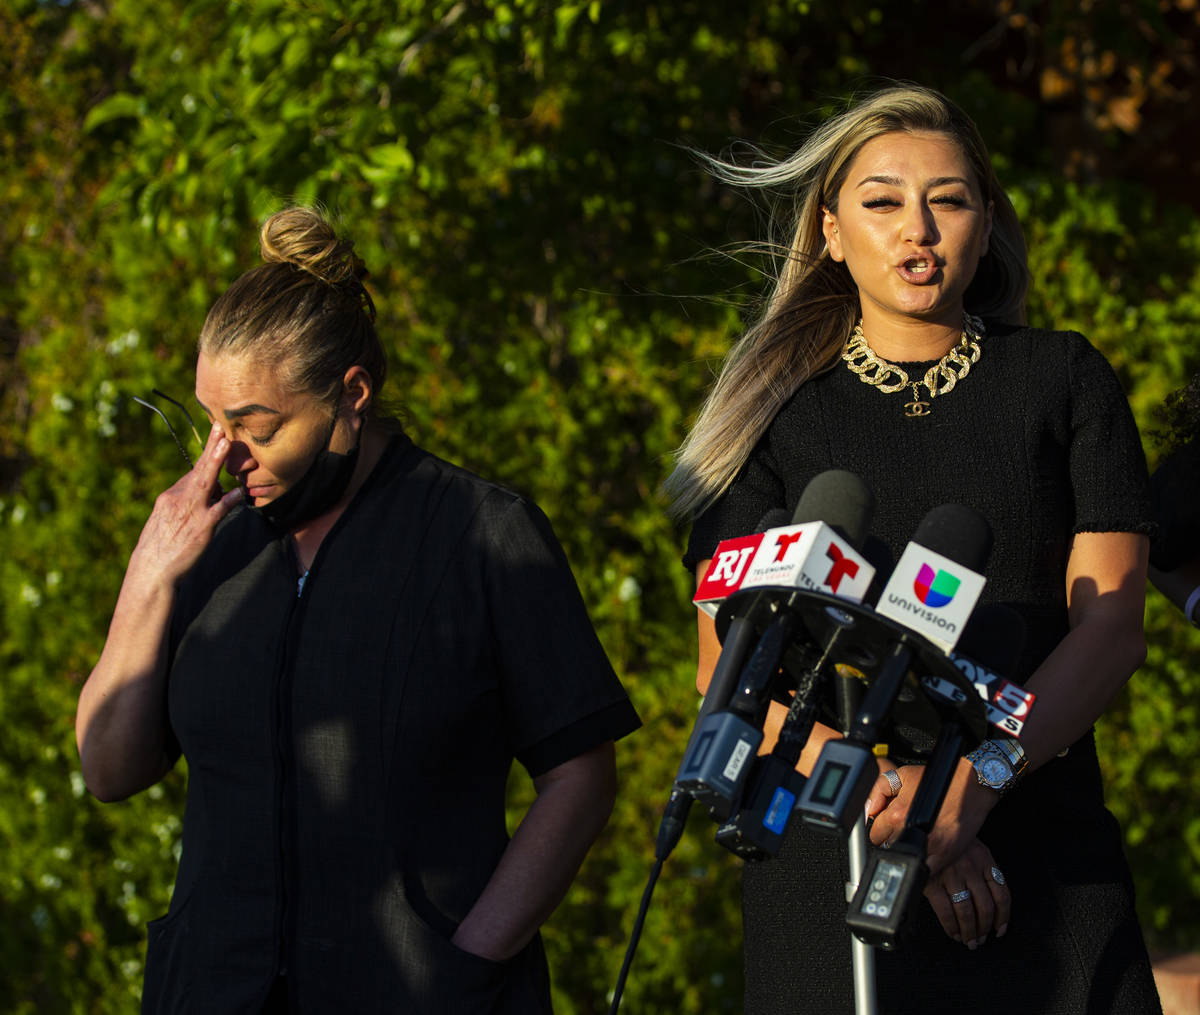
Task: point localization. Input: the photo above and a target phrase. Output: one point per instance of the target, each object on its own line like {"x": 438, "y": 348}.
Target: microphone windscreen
{"x": 957, "y": 532}
{"x": 994, "y": 638}
{"x": 773, "y": 519}
{"x": 839, "y": 499}
{"x": 879, "y": 556}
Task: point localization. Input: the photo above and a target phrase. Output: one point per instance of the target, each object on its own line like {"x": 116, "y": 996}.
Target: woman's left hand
{"x": 971, "y": 897}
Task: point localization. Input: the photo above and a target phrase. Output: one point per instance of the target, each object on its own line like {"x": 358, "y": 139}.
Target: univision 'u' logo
{"x": 935, "y": 588}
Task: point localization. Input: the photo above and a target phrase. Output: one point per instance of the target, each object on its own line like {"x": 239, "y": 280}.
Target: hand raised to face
{"x": 184, "y": 517}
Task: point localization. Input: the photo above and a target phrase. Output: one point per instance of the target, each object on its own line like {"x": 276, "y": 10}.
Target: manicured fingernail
{"x": 1000, "y": 931}
{"x": 972, "y": 945}
{"x": 983, "y": 940}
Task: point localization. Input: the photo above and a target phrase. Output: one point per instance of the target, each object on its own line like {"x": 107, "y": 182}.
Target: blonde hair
{"x": 814, "y": 303}
{"x": 305, "y": 312}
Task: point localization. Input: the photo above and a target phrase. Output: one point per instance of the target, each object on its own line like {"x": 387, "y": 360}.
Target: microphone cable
{"x": 636, "y": 934}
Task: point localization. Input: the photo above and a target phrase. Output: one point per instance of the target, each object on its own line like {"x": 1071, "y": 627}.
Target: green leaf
{"x": 114, "y": 108}
{"x": 395, "y": 157}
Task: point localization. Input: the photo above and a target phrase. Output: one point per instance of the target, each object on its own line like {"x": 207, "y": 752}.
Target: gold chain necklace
{"x": 939, "y": 379}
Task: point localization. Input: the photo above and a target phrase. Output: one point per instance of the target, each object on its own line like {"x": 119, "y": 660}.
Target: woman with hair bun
{"x": 893, "y": 346}
{"x": 350, "y": 648}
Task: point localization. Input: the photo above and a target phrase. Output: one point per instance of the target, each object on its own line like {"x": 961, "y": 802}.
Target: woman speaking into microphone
{"x": 893, "y": 345}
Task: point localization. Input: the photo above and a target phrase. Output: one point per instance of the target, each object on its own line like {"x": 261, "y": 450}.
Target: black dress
{"x": 1039, "y": 439}
{"x": 349, "y": 743}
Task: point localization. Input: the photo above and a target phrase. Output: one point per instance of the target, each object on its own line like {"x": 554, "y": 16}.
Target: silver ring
{"x": 998, "y": 875}
{"x": 961, "y": 896}
{"x": 893, "y": 781}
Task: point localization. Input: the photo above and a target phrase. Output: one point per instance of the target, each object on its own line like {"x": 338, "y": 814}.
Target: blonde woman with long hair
{"x": 893, "y": 345}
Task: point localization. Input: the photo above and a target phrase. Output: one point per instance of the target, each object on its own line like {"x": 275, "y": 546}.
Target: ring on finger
{"x": 962, "y": 896}
{"x": 998, "y": 876}
{"x": 893, "y": 781}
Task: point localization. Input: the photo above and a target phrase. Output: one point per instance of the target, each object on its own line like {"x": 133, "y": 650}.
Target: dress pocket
{"x": 167, "y": 987}
{"x": 450, "y": 979}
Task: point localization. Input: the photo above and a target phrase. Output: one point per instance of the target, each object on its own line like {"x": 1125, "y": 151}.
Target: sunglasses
{"x": 163, "y": 416}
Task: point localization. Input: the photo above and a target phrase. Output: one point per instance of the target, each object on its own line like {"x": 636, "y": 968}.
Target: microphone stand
{"x": 862, "y": 956}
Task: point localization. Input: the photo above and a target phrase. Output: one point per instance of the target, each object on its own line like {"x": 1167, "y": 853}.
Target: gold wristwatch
{"x": 998, "y": 763}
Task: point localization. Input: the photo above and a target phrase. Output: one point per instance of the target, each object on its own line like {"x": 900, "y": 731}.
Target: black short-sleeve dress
{"x": 349, "y": 739}
{"x": 1039, "y": 439}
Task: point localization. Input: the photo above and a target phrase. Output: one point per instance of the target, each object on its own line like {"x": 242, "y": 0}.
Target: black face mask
{"x": 316, "y": 491}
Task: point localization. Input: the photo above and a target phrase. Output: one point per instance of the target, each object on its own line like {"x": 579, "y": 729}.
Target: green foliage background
{"x": 517, "y": 177}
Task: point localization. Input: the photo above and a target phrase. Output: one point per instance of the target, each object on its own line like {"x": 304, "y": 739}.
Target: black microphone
{"x": 845, "y": 503}
{"x": 736, "y": 645}
{"x": 894, "y": 876}
{"x": 841, "y": 500}
{"x": 920, "y": 613}
{"x": 999, "y": 637}
{"x": 737, "y": 641}
{"x": 756, "y": 830}
{"x": 724, "y": 751}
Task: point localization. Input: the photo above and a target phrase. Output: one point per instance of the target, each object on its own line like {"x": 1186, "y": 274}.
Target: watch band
{"x": 1005, "y": 751}
{"x": 1015, "y": 753}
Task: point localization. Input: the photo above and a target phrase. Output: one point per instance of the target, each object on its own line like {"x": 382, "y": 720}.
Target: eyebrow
{"x": 896, "y": 181}
{"x": 243, "y": 410}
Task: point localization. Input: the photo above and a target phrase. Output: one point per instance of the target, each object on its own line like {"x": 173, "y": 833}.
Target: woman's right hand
{"x": 185, "y": 516}
{"x": 121, "y": 725}
{"x": 985, "y": 902}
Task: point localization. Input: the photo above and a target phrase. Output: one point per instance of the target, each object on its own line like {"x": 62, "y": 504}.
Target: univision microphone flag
{"x": 931, "y": 594}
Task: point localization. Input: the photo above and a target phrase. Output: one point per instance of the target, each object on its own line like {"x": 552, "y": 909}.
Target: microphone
{"x": 925, "y": 603}
{"x": 895, "y": 875}
{"x": 809, "y": 555}
{"x": 738, "y": 636}
{"x": 728, "y": 562}
{"x": 756, "y": 829}
{"x": 994, "y": 632}
{"x": 935, "y": 586}
{"x": 833, "y": 512}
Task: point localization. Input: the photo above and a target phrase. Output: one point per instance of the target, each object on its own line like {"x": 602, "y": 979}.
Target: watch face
{"x": 994, "y": 771}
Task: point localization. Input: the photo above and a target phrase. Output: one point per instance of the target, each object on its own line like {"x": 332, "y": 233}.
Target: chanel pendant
{"x": 917, "y": 407}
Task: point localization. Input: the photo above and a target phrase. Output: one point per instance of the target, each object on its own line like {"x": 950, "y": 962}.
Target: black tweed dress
{"x": 1039, "y": 439}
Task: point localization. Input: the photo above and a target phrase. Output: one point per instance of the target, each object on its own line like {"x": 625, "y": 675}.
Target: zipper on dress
{"x": 283, "y": 759}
